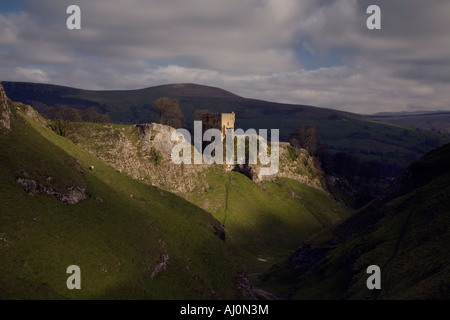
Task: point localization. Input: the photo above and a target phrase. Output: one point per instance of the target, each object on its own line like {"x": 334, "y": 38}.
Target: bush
{"x": 293, "y": 155}
{"x": 155, "y": 156}
{"x": 306, "y": 137}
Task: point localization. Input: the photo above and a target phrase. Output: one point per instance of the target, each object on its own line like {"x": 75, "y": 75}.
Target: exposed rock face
{"x": 33, "y": 114}
{"x": 163, "y": 260}
{"x": 300, "y": 168}
{"x": 5, "y": 112}
{"x": 251, "y": 293}
{"x": 71, "y": 195}
{"x": 144, "y": 152}
{"x": 245, "y": 287}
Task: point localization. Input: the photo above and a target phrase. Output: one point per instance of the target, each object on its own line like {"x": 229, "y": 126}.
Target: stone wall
{"x": 227, "y": 122}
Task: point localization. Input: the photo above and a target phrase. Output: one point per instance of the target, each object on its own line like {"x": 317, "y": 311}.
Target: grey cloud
{"x": 243, "y": 46}
{"x": 221, "y": 34}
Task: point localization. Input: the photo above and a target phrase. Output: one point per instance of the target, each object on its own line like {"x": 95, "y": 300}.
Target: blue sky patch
{"x": 10, "y": 6}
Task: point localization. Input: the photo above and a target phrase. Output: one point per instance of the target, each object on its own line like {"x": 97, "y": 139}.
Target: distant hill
{"x": 194, "y": 90}
{"x": 406, "y": 234}
{"x": 436, "y": 121}
{"x": 405, "y": 113}
{"x": 368, "y": 138}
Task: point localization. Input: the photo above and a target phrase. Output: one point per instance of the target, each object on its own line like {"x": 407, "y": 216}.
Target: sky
{"x": 315, "y": 52}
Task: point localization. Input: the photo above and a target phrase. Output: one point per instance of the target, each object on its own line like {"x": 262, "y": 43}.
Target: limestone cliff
{"x": 5, "y": 112}
{"x": 144, "y": 152}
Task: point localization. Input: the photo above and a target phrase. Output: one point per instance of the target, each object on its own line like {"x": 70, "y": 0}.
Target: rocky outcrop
{"x": 297, "y": 165}
{"x": 33, "y": 114}
{"x": 5, "y": 112}
{"x": 249, "y": 292}
{"x": 161, "y": 265}
{"x": 70, "y": 195}
{"x": 294, "y": 164}
{"x": 144, "y": 153}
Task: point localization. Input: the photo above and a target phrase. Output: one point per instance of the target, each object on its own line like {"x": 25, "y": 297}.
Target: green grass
{"x": 263, "y": 221}
{"x": 116, "y": 241}
{"x": 266, "y": 222}
{"x": 118, "y": 234}
{"x": 407, "y": 237}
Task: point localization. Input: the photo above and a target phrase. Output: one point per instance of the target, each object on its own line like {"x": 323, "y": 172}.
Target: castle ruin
{"x": 221, "y": 121}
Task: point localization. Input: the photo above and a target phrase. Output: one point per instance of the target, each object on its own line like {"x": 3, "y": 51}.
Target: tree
{"x": 92, "y": 115}
{"x": 306, "y": 137}
{"x": 199, "y": 113}
{"x": 62, "y": 118}
{"x": 168, "y": 112}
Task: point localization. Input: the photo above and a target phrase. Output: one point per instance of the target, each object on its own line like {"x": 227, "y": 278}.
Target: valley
{"x": 108, "y": 198}
{"x": 203, "y": 237}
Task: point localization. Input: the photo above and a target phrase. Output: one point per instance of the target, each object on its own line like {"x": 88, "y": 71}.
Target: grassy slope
{"x": 265, "y": 222}
{"x": 117, "y": 242}
{"x": 407, "y": 237}
{"x": 122, "y": 235}
{"x": 341, "y": 131}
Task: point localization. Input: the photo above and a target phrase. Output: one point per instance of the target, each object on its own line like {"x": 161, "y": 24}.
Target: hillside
{"x": 264, "y": 216}
{"x": 131, "y": 240}
{"x": 341, "y": 131}
{"x": 406, "y": 234}
{"x": 82, "y": 203}
{"x": 438, "y": 121}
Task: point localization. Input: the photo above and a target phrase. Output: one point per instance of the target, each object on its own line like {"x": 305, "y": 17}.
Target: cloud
{"x": 253, "y": 48}
{"x": 31, "y": 75}
{"x": 216, "y": 34}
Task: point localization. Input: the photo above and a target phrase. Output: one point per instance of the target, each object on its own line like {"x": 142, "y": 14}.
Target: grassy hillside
{"x": 263, "y": 220}
{"x": 341, "y": 131}
{"x": 407, "y": 236}
{"x": 118, "y": 235}
{"x": 61, "y": 205}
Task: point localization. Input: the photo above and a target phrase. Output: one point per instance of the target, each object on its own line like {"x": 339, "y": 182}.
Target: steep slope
{"x": 131, "y": 240}
{"x": 263, "y": 219}
{"x": 406, "y": 235}
{"x": 341, "y": 131}
{"x": 65, "y": 203}
{"x": 265, "y": 222}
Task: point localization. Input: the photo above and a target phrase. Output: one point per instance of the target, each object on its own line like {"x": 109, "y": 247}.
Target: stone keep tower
{"x": 221, "y": 121}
